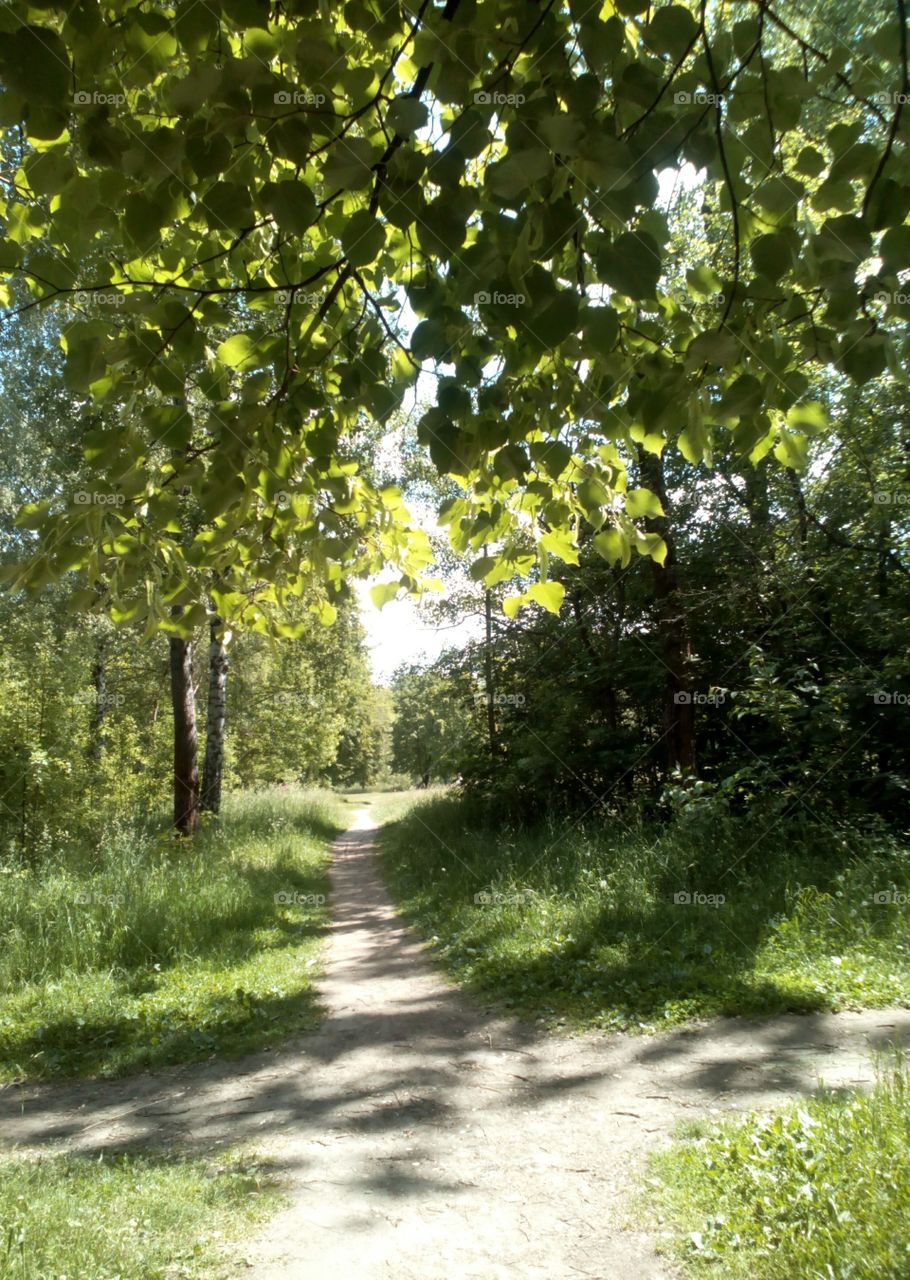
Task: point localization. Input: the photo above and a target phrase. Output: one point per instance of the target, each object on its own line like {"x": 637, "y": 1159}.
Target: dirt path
{"x": 423, "y": 1138}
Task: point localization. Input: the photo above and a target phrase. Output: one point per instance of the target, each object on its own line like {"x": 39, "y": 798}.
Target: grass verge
{"x": 639, "y": 928}
{"x": 147, "y": 951}
{"x": 820, "y": 1191}
{"x": 127, "y": 1217}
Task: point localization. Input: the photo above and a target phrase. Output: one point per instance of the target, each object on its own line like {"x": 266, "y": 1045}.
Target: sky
{"x": 398, "y": 633}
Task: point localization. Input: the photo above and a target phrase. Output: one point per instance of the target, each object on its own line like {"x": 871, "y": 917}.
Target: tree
{"x": 237, "y": 200}
{"x": 186, "y": 767}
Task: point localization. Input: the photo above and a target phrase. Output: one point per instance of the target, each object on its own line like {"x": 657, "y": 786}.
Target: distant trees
{"x": 435, "y": 712}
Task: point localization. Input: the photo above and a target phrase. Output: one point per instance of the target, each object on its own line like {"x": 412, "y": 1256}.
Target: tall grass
{"x": 629, "y": 925}
{"x": 144, "y": 949}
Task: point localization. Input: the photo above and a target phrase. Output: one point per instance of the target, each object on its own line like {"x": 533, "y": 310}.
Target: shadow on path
{"x": 423, "y": 1137}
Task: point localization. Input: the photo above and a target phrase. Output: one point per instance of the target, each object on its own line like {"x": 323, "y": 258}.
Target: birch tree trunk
{"x": 213, "y": 768}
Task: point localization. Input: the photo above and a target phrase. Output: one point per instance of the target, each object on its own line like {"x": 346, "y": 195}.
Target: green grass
{"x": 820, "y": 1191}
{"x": 582, "y": 926}
{"x": 388, "y": 806}
{"x": 148, "y": 950}
{"x": 127, "y": 1217}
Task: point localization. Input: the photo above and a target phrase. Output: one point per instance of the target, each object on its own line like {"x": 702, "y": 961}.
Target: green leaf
{"x": 651, "y": 544}
{"x": 772, "y": 255}
{"x": 362, "y": 238}
{"x": 631, "y": 265}
{"x": 291, "y": 203}
{"x": 864, "y": 358}
{"x": 406, "y": 115}
{"x": 792, "y": 449}
{"x": 556, "y": 321}
{"x": 845, "y": 239}
{"x": 744, "y": 396}
{"x": 614, "y": 546}
{"x": 383, "y": 593}
{"x": 717, "y": 349}
{"x": 601, "y": 329}
{"x": 809, "y": 418}
{"x": 671, "y": 30}
{"x": 349, "y": 165}
{"x": 325, "y": 612}
{"x": 36, "y": 63}
{"x": 811, "y": 162}
{"x": 549, "y": 595}
{"x": 238, "y": 352}
{"x": 558, "y": 544}
{"x": 641, "y": 503}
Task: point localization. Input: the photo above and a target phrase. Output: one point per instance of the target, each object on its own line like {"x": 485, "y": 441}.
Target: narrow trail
{"x": 423, "y": 1138}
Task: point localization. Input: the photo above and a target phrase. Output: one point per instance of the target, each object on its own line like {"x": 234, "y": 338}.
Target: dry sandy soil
{"x": 422, "y": 1137}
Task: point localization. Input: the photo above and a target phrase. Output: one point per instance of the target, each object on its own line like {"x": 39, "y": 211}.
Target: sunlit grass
{"x": 819, "y": 1191}
{"x": 127, "y": 1217}
{"x": 584, "y": 924}
{"x": 147, "y": 950}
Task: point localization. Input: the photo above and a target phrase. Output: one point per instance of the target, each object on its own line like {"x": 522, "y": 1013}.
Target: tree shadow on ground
{"x": 412, "y": 1090}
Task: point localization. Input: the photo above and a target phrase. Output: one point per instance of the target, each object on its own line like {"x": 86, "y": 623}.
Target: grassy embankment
{"x": 128, "y": 1217}
{"x": 585, "y": 924}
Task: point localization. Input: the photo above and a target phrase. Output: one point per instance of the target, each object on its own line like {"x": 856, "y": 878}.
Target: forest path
{"x": 423, "y": 1138}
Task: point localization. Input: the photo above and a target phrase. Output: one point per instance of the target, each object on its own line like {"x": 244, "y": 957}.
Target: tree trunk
{"x": 213, "y": 768}
{"x": 673, "y": 629}
{"x": 186, "y": 768}
{"x": 488, "y": 672}
{"x": 99, "y": 707}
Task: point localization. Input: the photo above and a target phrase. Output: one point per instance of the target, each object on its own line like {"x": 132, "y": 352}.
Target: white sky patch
{"x": 399, "y": 633}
